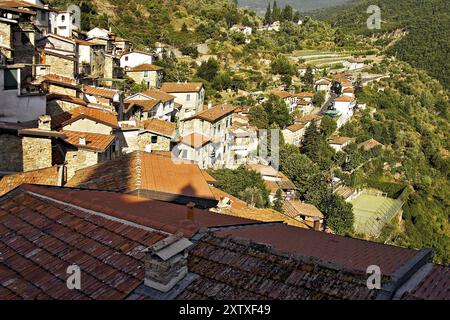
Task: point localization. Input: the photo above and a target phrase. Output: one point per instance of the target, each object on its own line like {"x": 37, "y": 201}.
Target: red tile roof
{"x": 296, "y": 127}
{"x": 47, "y": 176}
{"x": 40, "y": 238}
{"x": 345, "y": 99}
{"x": 145, "y": 67}
{"x": 165, "y": 128}
{"x": 158, "y": 95}
{"x": 194, "y": 140}
{"x": 435, "y": 285}
{"x": 214, "y": 114}
{"x": 148, "y": 174}
{"x": 100, "y": 91}
{"x": 174, "y": 87}
{"x": 146, "y": 105}
{"x": 229, "y": 269}
{"x": 103, "y": 116}
{"x": 296, "y": 208}
{"x": 282, "y": 94}
{"x": 347, "y": 252}
{"x": 66, "y": 98}
{"x": 94, "y": 141}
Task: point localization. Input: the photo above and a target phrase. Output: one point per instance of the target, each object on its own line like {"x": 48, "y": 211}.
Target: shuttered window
{"x": 10, "y": 79}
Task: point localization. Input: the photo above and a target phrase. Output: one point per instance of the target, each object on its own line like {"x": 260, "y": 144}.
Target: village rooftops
{"x": 145, "y": 67}
{"x": 100, "y": 91}
{"x": 46, "y": 176}
{"x": 148, "y": 175}
{"x": 58, "y": 80}
{"x": 348, "y": 90}
{"x": 164, "y": 128}
{"x": 66, "y": 98}
{"x": 345, "y": 99}
{"x": 309, "y": 118}
{"x": 99, "y": 115}
{"x": 297, "y": 208}
{"x": 323, "y": 82}
{"x": 296, "y": 127}
{"x": 22, "y": 4}
{"x": 146, "y": 105}
{"x": 89, "y": 141}
{"x": 194, "y": 140}
{"x": 213, "y": 114}
{"x": 305, "y": 95}
{"x": 158, "y": 95}
{"x": 180, "y": 87}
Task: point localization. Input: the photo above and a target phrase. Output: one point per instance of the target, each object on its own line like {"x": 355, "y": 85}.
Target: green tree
{"x": 277, "y": 111}
{"x": 208, "y": 70}
{"x": 308, "y": 79}
{"x": 281, "y": 65}
{"x": 316, "y": 147}
{"x": 278, "y": 202}
{"x": 328, "y": 126}
{"x": 268, "y": 16}
{"x": 339, "y": 214}
{"x": 288, "y": 13}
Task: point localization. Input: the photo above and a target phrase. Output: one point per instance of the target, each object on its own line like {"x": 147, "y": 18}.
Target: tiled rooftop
{"x": 435, "y": 285}
{"x": 47, "y": 176}
{"x": 94, "y": 141}
{"x": 146, "y": 105}
{"x": 347, "y": 252}
{"x": 194, "y": 140}
{"x": 161, "y": 127}
{"x": 145, "y": 67}
{"x": 100, "y": 91}
{"x": 158, "y": 95}
{"x": 229, "y": 269}
{"x": 214, "y": 114}
{"x": 174, "y": 87}
{"x": 41, "y": 238}
{"x": 142, "y": 173}
{"x": 96, "y": 114}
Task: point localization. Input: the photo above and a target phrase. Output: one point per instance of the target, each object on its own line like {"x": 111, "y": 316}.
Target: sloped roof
{"x": 213, "y": 114}
{"x": 194, "y": 140}
{"x": 41, "y": 238}
{"x": 100, "y": 91}
{"x": 96, "y": 114}
{"x": 295, "y": 208}
{"x": 46, "y": 176}
{"x": 295, "y": 127}
{"x": 145, "y": 67}
{"x": 174, "y": 87}
{"x": 340, "y": 140}
{"x": 347, "y": 252}
{"x": 231, "y": 269}
{"x": 146, "y": 105}
{"x": 369, "y": 144}
{"x": 94, "y": 141}
{"x": 59, "y": 80}
{"x": 282, "y": 94}
{"x": 66, "y": 98}
{"x": 158, "y": 95}
{"x": 305, "y": 95}
{"x": 161, "y": 127}
{"x": 345, "y": 99}
{"x": 148, "y": 174}
{"x": 435, "y": 285}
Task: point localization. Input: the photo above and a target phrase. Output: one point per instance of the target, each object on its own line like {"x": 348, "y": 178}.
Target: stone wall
{"x": 162, "y": 144}
{"x": 11, "y": 153}
{"x": 79, "y": 159}
{"x": 5, "y": 36}
{"x": 56, "y": 107}
{"x": 37, "y": 153}
{"x": 60, "y": 66}
{"x": 61, "y": 90}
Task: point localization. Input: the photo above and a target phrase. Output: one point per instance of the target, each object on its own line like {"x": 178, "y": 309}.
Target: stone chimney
{"x": 166, "y": 262}
{"x": 82, "y": 141}
{"x": 45, "y": 122}
{"x": 190, "y": 210}
{"x": 317, "y": 225}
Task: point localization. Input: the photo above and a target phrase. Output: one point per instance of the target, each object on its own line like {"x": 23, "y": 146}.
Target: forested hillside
{"x": 426, "y": 44}
{"x": 302, "y": 5}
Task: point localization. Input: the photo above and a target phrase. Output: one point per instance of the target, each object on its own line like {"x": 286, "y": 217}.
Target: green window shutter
{"x": 11, "y": 79}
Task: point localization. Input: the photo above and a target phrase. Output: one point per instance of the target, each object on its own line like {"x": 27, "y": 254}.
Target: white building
{"x": 64, "y": 23}
{"x": 18, "y": 103}
{"x": 136, "y": 58}
{"x": 339, "y": 143}
{"x": 191, "y": 96}
{"x": 152, "y": 103}
{"x": 243, "y": 29}
{"x": 98, "y": 33}
{"x": 345, "y": 105}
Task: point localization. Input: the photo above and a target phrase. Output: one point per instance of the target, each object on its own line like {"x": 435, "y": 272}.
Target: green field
{"x": 373, "y": 212}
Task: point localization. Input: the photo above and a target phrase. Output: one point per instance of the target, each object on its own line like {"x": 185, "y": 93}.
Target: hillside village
{"x": 91, "y": 128}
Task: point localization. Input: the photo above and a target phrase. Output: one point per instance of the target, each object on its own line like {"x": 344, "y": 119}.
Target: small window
{"x": 10, "y": 79}
{"x": 145, "y": 74}
{"x": 188, "y": 97}
{"x": 63, "y": 18}
{"x": 126, "y": 58}
{"x": 154, "y": 139}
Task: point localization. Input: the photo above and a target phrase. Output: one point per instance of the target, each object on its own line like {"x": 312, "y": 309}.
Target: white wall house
{"x": 345, "y": 105}
{"x": 164, "y": 107}
{"x": 63, "y": 23}
{"x": 98, "y": 33}
{"x": 191, "y": 97}
{"x": 135, "y": 58}
{"x": 16, "y": 105}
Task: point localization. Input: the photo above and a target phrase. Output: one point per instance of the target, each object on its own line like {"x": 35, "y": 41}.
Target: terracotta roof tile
{"x": 435, "y": 286}
{"x": 282, "y": 94}
{"x": 194, "y": 140}
{"x": 340, "y": 140}
{"x": 146, "y": 105}
{"x": 295, "y": 127}
{"x": 96, "y": 114}
{"x": 94, "y": 141}
{"x": 62, "y": 97}
{"x": 369, "y": 144}
{"x": 161, "y": 127}
{"x": 345, "y": 99}
{"x": 145, "y": 67}
{"x": 214, "y": 114}
{"x": 159, "y": 175}
{"x": 295, "y": 208}
{"x": 100, "y": 91}
{"x": 346, "y": 252}
{"x": 174, "y": 87}
{"x": 42, "y": 238}
{"x": 158, "y": 95}
{"x": 46, "y": 176}
{"x": 305, "y": 95}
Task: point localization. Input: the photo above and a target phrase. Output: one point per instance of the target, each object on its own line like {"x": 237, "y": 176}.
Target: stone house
{"x": 156, "y": 135}
{"x": 58, "y": 103}
{"x": 294, "y": 134}
{"x": 289, "y": 98}
{"x": 112, "y": 69}
{"x": 212, "y": 123}
{"x": 243, "y": 144}
{"x": 191, "y": 97}
{"x": 151, "y": 103}
{"x": 58, "y": 44}
{"x": 60, "y": 64}
{"x": 147, "y": 74}
{"x": 305, "y": 212}
{"x": 56, "y": 84}
{"x": 339, "y": 143}
{"x": 110, "y": 98}
{"x": 6, "y": 40}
